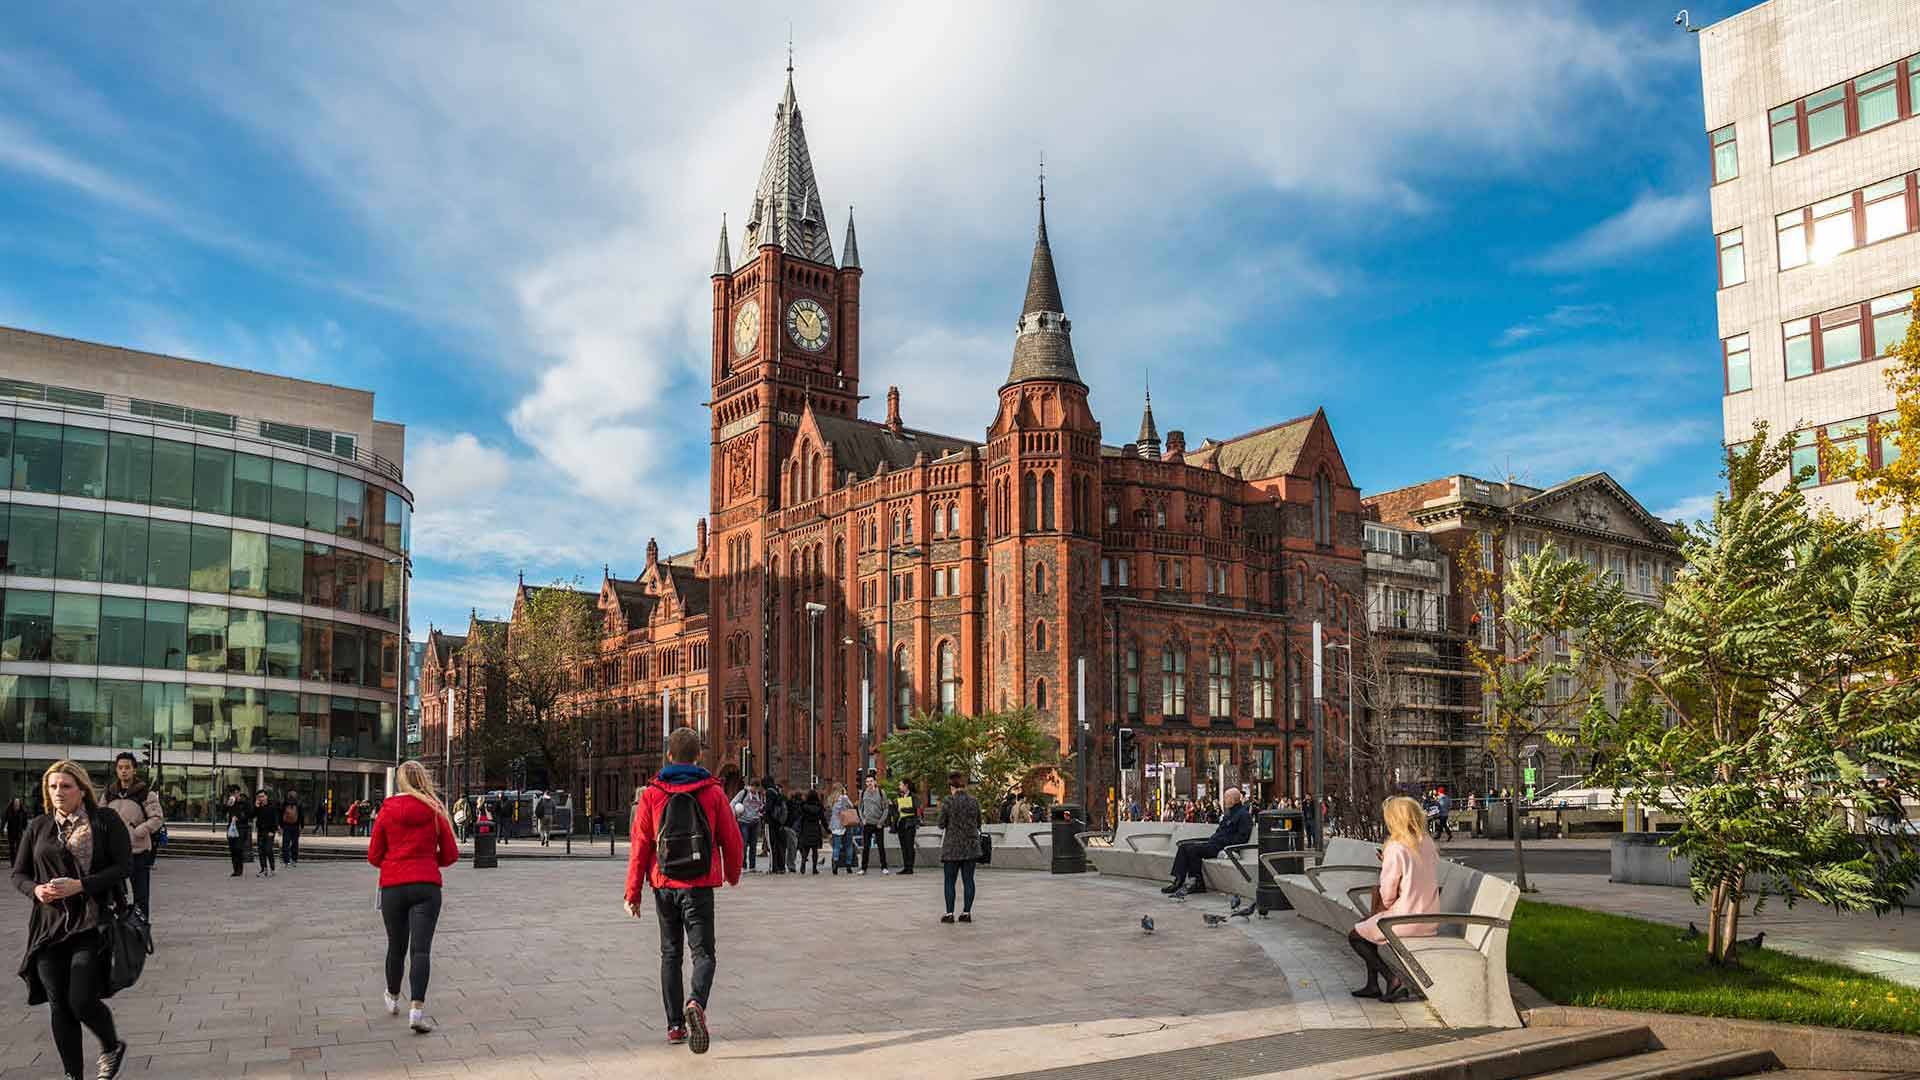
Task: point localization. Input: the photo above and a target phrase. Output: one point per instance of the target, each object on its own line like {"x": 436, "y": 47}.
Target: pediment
{"x": 1597, "y": 504}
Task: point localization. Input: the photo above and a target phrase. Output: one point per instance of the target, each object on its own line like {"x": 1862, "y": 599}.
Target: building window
{"x": 1173, "y": 682}
{"x": 1733, "y": 258}
{"x": 1891, "y": 315}
{"x": 1845, "y": 335}
{"x": 949, "y": 679}
{"x": 1029, "y": 502}
{"x": 1113, "y": 513}
{"x": 1040, "y": 694}
{"x": 1121, "y": 566}
{"x": 903, "y": 686}
{"x": 1179, "y": 573}
{"x": 1046, "y": 501}
{"x": 1040, "y": 579}
{"x": 1293, "y": 687}
{"x": 953, "y": 519}
{"x": 1133, "y": 681}
{"x": 1160, "y": 516}
{"x": 1737, "y": 354}
{"x": 1322, "y": 510}
{"x": 1040, "y": 636}
{"x": 1106, "y": 571}
{"x": 1219, "y": 682}
{"x": 1884, "y": 208}
{"x": 1262, "y": 686}
{"x": 1841, "y": 112}
{"x": 1165, "y": 580}
{"x": 1726, "y": 154}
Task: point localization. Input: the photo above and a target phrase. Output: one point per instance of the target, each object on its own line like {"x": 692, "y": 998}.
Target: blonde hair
{"x": 413, "y": 779}
{"x": 1406, "y": 822}
{"x": 88, "y": 796}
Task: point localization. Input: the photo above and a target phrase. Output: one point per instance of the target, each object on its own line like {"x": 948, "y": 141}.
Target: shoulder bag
{"x": 129, "y": 943}
{"x": 986, "y": 849}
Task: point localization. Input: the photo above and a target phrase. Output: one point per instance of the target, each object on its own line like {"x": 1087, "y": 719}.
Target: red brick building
{"x": 863, "y": 570}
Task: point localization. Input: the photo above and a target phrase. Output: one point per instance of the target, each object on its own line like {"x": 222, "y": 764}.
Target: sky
{"x": 1475, "y": 233}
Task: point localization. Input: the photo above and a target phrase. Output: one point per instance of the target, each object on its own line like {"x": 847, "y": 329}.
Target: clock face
{"x": 746, "y": 328}
{"x": 807, "y": 325}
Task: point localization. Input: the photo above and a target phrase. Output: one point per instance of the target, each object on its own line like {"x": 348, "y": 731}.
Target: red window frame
{"x": 1872, "y": 433}
{"x": 1905, "y": 68}
{"x": 1861, "y": 314}
{"x": 1911, "y": 200}
{"x": 1714, "y": 143}
{"x": 1720, "y": 249}
{"x": 1726, "y": 370}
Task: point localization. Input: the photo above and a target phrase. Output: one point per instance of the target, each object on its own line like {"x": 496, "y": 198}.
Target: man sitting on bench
{"x": 1236, "y": 827}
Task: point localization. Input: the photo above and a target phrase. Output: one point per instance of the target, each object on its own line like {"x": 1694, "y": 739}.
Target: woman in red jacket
{"x": 412, "y": 840}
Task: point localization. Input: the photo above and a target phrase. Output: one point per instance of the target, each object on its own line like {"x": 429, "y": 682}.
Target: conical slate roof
{"x": 786, "y": 203}
{"x": 1043, "y": 347}
{"x": 1149, "y": 440}
{"x": 722, "y": 262}
{"x": 850, "y": 251}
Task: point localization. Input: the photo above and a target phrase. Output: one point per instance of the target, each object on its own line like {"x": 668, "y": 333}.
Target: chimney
{"x": 653, "y": 552}
{"x": 1130, "y": 450}
{"x": 700, "y": 541}
{"x": 893, "y": 409}
{"x": 1176, "y": 446}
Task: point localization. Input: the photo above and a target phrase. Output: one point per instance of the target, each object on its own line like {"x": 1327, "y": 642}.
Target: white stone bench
{"x": 1463, "y": 968}
{"x": 1026, "y": 845}
{"x": 1326, "y": 893}
{"x": 1144, "y": 849}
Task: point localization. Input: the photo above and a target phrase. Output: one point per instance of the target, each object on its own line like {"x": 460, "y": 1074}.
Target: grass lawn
{"x": 1578, "y": 957}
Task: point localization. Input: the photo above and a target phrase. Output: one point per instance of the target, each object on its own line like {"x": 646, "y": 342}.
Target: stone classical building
{"x": 1589, "y": 517}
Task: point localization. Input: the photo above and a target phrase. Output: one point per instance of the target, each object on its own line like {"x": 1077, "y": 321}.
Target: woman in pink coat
{"x": 1409, "y": 865}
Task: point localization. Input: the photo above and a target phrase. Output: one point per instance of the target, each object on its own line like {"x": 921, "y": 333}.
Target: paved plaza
{"x": 539, "y": 973}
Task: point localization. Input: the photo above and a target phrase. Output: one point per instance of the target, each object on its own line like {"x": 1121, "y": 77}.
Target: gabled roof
{"x": 859, "y": 446}
{"x": 691, "y": 587}
{"x": 444, "y": 645}
{"x": 1270, "y": 451}
{"x": 1538, "y": 506}
{"x": 635, "y": 604}
{"x": 786, "y": 206}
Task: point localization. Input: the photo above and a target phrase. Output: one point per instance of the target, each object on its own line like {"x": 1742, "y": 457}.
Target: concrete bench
{"x": 1325, "y": 893}
{"x": 1144, "y": 849}
{"x": 1463, "y": 968}
{"x": 1026, "y": 845}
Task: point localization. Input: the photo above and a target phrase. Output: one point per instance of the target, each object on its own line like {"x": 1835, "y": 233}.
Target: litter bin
{"x": 485, "y": 856}
{"x": 1282, "y": 832}
{"x": 1068, "y": 856}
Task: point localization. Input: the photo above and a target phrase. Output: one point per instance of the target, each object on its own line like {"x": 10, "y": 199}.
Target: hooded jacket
{"x": 642, "y": 865}
{"x": 411, "y": 842}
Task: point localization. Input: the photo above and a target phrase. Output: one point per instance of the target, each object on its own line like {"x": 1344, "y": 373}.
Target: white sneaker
{"x": 417, "y": 1020}
{"x": 863, "y": 871}
{"x": 884, "y": 870}
{"x": 393, "y": 1003}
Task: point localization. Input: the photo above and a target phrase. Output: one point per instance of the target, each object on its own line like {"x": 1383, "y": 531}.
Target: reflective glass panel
{"x": 129, "y": 467}
{"x": 1840, "y": 345}
{"x": 289, "y": 493}
{"x": 246, "y": 642}
{"x": 83, "y": 463}
{"x": 347, "y": 644}
{"x": 213, "y": 480}
{"x": 73, "y": 712}
{"x": 76, "y": 628}
{"x": 1785, "y": 125}
{"x": 286, "y": 561}
{"x": 1876, "y": 97}
{"x": 206, "y": 637}
{"x": 321, "y": 486}
{"x": 36, "y": 457}
{"x": 173, "y": 474}
{"x": 80, "y": 545}
{"x": 252, "y": 487}
{"x": 283, "y": 646}
{"x": 166, "y": 635}
{"x": 32, "y": 540}
{"x": 212, "y": 545}
{"x": 123, "y": 550}
{"x": 352, "y": 494}
{"x": 247, "y": 569}
{"x": 316, "y": 648}
{"x": 1826, "y": 117}
{"x": 1799, "y": 346}
{"x": 1891, "y": 315}
{"x": 169, "y": 554}
{"x": 123, "y": 631}
{"x": 27, "y": 630}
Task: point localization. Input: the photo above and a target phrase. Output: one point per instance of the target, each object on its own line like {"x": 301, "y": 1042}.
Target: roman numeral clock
{"x": 808, "y": 325}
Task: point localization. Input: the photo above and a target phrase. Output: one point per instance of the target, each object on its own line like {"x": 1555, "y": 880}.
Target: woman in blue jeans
{"x": 959, "y": 842}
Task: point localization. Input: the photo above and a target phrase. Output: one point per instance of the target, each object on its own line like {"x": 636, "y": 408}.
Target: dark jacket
{"x": 239, "y": 811}
{"x": 809, "y": 819}
{"x": 266, "y": 820}
{"x": 16, "y": 821}
{"x": 1235, "y": 828}
{"x": 41, "y": 858}
{"x": 299, "y": 815}
{"x": 960, "y": 817}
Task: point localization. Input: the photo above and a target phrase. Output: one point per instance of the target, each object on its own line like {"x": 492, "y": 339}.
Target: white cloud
{"x": 1651, "y": 221}
{"x": 450, "y": 470}
{"x": 1688, "y": 509}
{"x": 1564, "y": 317}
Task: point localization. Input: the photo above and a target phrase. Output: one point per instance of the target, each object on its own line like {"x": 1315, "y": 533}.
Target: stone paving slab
{"x": 538, "y": 972}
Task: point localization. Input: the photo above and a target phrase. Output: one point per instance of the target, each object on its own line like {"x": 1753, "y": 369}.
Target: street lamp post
{"x": 814, "y": 611}
{"x": 400, "y": 686}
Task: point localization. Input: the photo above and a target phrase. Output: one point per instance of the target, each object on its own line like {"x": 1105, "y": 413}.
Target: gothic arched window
{"x": 1040, "y": 579}
{"x": 1040, "y": 636}
{"x": 902, "y": 686}
{"x": 949, "y": 673}
{"x": 1046, "y": 501}
{"x": 1262, "y": 685}
{"x": 1029, "y": 502}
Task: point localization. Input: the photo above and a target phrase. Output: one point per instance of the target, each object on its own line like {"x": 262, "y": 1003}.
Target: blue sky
{"x": 1475, "y": 233}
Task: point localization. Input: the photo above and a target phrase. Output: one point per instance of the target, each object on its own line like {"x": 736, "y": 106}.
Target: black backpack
{"x": 778, "y": 811}
{"x": 683, "y": 845}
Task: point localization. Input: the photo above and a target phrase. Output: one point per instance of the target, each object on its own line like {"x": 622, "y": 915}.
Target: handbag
{"x": 986, "y": 849}
{"x": 849, "y": 818}
{"x": 233, "y": 830}
{"x": 129, "y": 942}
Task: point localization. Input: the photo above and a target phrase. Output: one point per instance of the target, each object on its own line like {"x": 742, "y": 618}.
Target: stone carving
{"x": 740, "y": 469}
{"x": 1590, "y": 512}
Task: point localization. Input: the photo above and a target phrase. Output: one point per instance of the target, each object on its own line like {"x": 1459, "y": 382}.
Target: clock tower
{"x": 786, "y": 333}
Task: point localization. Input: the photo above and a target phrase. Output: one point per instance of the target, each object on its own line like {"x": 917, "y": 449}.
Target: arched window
{"x": 1173, "y": 681}
{"x": 1133, "y": 681}
{"x": 1293, "y": 687}
{"x": 825, "y": 479}
{"x": 1322, "y": 509}
{"x": 1046, "y": 501}
{"x": 908, "y": 535}
{"x": 934, "y": 522}
{"x": 1262, "y": 686}
{"x": 1040, "y": 694}
{"x": 1219, "y": 682}
{"x": 953, "y": 518}
{"x": 1040, "y": 636}
{"x": 1113, "y": 513}
{"x": 1160, "y": 516}
{"x": 1040, "y": 579}
{"x": 902, "y": 686}
{"x": 813, "y": 475}
{"x": 949, "y": 679}
{"x": 1029, "y": 502}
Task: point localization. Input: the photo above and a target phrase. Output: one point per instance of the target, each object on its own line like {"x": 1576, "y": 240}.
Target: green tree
{"x": 537, "y": 656}
{"x": 1894, "y": 488}
{"x": 1000, "y": 751}
{"x": 1775, "y": 677}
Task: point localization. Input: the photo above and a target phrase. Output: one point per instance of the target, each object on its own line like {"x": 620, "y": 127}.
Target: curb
{"x": 1797, "y": 1046}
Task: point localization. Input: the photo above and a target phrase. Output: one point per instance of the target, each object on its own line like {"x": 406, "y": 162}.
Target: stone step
{"x": 1674, "y": 1065}
{"x": 1500, "y": 1055}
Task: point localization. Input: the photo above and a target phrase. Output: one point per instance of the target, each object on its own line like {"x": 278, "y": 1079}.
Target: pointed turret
{"x": 1149, "y": 440}
{"x": 722, "y": 259}
{"x": 850, "y": 251}
{"x": 1043, "y": 347}
{"x": 787, "y": 210}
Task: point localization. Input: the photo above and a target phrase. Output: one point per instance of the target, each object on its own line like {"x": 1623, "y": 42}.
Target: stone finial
{"x": 893, "y": 409}
{"x": 700, "y": 541}
{"x": 653, "y": 552}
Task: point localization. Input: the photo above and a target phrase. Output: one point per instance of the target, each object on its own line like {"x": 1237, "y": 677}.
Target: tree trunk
{"x": 1513, "y": 829}
{"x": 1713, "y": 923}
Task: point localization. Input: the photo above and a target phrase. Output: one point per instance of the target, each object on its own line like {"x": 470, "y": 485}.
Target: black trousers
{"x": 749, "y": 838}
{"x": 289, "y": 844}
{"x": 237, "y": 851}
{"x": 870, "y": 835}
{"x": 686, "y": 924}
{"x": 777, "y": 847}
{"x": 265, "y": 845}
{"x": 1369, "y": 953}
{"x": 410, "y": 912}
{"x": 74, "y": 975}
{"x": 904, "y": 832}
{"x": 143, "y": 881}
{"x": 1189, "y": 856}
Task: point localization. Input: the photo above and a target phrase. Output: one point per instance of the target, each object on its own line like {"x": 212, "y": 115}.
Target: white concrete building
{"x": 1812, "y": 145}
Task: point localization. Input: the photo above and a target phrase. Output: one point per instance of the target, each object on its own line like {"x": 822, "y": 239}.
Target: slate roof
{"x": 786, "y": 203}
{"x": 722, "y": 262}
{"x": 445, "y": 645}
{"x": 850, "y": 251}
{"x": 860, "y": 446}
{"x": 693, "y": 588}
{"x": 635, "y": 604}
{"x": 1270, "y": 451}
{"x": 1043, "y": 346}
{"x": 1149, "y": 433}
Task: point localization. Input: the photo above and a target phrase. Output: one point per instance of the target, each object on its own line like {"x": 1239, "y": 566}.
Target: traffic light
{"x": 1124, "y": 749}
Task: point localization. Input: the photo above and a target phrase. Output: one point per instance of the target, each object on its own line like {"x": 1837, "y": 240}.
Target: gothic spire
{"x": 722, "y": 261}
{"x": 1149, "y": 440}
{"x": 1043, "y": 346}
{"x": 850, "y": 251}
{"x": 786, "y": 208}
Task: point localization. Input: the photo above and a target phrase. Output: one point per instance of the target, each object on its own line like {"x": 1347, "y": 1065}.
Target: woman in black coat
{"x": 239, "y": 815}
{"x": 73, "y": 862}
{"x": 811, "y": 824}
{"x": 16, "y": 824}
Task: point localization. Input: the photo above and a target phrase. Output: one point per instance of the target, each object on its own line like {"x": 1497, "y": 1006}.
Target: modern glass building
{"x": 200, "y": 564}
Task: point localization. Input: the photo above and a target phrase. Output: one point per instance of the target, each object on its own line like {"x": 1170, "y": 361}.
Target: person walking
{"x": 810, "y": 828}
{"x": 959, "y": 842}
{"x": 845, "y": 824}
{"x": 777, "y": 816}
{"x": 1443, "y": 815}
{"x": 906, "y": 822}
{"x": 139, "y": 808}
{"x": 353, "y": 818}
{"x": 293, "y": 818}
{"x": 412, "y": 842}
{"x": 543, "y": 817}
{"x": 747, "y": 808}
{"x": 16, "y": 824}
{"x": 266, "y": 822}
{"x": 686, "y": 844}
{"x": 1409, "y": 885}
{"x": 874, "y": 810}
{"x": 239, "y": 814}
{"x": 73, "y": 860}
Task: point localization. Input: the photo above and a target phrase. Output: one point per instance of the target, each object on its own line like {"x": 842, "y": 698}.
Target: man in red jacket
{"x": 683, "y": 906}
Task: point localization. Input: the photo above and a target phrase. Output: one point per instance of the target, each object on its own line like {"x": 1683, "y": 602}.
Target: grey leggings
{"x": 410, "y": 912}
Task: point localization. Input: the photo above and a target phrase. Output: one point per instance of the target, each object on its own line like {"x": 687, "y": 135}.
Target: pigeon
{"x": 1211, "y": 919}
{"x": 1146, "y": 923}
{"x": 1235, "y": 911}
{"x": 1692, "y": 934}
{"x": 1757, "y": 941}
